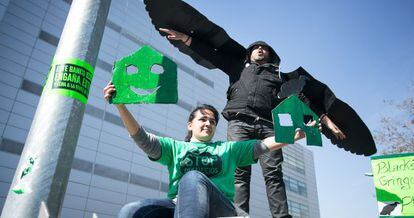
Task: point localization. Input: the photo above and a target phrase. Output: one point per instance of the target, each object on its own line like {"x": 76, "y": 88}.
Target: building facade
{"x": 109, "y": 170}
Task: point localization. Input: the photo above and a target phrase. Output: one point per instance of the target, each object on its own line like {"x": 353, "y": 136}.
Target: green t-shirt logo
{"x": 204, "y": 162}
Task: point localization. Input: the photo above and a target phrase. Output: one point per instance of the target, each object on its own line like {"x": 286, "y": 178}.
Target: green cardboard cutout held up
{"x": 146, "y": 76}
{"x": 290, "y": 115}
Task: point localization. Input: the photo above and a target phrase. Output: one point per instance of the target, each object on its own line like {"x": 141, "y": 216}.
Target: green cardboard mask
{"x": 288, "y": 116}
{"x": 146, "y": 76}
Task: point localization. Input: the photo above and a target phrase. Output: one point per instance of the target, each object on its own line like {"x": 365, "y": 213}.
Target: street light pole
{"x": 44, "y": 167}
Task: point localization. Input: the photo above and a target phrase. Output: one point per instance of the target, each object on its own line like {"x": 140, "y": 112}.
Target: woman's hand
{"x": 129, "y": 121}
{"x": 108, "y": 91}
{"x": 300, "y": 134}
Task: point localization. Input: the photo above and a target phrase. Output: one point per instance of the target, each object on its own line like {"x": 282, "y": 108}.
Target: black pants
{"x": 245, "y": 128}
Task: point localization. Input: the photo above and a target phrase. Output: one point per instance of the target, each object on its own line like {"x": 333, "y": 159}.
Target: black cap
{"x": 274, "y": 58}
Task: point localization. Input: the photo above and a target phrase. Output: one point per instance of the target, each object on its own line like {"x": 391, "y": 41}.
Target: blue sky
{"x": 363, "y": 50}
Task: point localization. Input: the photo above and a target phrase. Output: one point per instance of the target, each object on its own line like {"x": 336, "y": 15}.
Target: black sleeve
{"x": 228, "y": 63}
{"x": 319, "y": 97}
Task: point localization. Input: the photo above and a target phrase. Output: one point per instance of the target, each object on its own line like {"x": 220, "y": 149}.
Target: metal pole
{"x": 44, "y": 167}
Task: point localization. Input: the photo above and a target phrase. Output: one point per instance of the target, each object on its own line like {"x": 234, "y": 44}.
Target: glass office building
{"x": 109, "y": 170}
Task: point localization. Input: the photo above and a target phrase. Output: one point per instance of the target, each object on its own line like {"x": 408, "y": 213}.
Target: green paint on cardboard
{"x": 288, "y": 116}
{"x": 145, "y": 76}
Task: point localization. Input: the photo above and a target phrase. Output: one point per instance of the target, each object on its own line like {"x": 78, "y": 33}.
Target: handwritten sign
{"x": 394, "y": 184}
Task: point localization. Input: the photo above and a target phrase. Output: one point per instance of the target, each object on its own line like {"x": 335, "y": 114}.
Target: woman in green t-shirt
{"x": 201, "y": 172}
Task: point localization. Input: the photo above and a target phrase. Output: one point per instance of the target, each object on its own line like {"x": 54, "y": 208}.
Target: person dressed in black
{"x": 255, "y": 81}
{"x": 256, "y": 87}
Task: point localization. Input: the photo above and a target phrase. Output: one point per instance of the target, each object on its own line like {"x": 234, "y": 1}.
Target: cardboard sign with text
{"x": 394, "y": 184}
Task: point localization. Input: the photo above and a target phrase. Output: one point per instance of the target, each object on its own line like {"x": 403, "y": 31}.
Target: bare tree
{"x": 397, "y": 133}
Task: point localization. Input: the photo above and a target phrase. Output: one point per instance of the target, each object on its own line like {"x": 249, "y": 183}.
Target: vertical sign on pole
{"x": 42, "y": 175}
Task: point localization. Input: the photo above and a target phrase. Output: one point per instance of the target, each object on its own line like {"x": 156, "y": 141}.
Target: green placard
{"x": 70, "y": 77}
{"x": 394, "y": 184}
{"x": 136, "y": 81}
{"x": 289, "y": 115}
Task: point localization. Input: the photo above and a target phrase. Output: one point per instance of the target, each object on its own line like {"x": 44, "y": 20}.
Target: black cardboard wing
{"x": 180, "y": 16}
{"x": 321, "y": 100}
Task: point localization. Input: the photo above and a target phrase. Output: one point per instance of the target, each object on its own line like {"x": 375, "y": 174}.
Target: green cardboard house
{"x": 291, "y": 114}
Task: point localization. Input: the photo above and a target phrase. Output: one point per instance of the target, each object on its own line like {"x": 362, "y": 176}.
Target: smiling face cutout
{"x": 146, "y": 76}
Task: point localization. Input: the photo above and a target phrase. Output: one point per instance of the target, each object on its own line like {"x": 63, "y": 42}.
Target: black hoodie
{"x": 274, "y": 58}
{"x": 253, "y": 88}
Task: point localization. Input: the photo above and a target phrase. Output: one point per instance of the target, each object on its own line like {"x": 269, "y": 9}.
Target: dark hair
{"x": 202, "y": 109}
